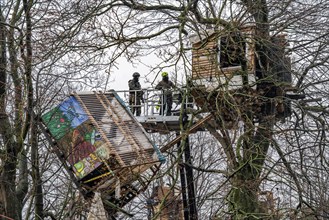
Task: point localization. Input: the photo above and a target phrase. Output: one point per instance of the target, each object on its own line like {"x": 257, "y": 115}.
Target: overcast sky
{"x": 120, "y": 76}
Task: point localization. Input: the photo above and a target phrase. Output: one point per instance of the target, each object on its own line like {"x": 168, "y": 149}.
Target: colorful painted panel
{"x": 91, "y": 162}
{"x": 66, "y": 116}
{"x": 77, "y": 138}
{"x": 80, "y": 142}
{"x": 87, "y": 165}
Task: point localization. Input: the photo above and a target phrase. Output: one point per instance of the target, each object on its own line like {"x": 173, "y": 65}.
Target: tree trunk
{"x": 13, "y": 130}
{"x": 37, "y": 181}
{"x": 243, "y": 199}
{"x": 8, "y": 154}
{"x": 8, "y": 188}
{"x": 23, "y": 183}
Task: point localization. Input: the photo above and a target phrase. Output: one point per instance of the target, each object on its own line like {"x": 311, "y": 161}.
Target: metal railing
{"x": 153, "y": 102}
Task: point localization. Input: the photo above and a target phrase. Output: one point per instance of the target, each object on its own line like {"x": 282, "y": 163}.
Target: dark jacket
{"x": 165, "y": 86}
{"x": 135, "y": 85}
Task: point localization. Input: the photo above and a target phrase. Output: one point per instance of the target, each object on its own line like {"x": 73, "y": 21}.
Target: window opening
{"x": 232, "y": 51}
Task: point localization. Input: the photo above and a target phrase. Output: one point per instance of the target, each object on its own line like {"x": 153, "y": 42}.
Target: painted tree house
{"x": 102, "y": 146}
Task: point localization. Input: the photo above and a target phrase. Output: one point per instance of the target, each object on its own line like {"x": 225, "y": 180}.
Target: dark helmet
{"x": 136, "y": 74}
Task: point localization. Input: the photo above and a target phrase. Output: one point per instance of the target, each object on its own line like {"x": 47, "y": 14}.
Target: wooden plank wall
{"x": 204, "y": 59}
{"x": 205, "y": 62}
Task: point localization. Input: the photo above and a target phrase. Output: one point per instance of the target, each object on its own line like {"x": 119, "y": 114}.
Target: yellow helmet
{"x": 164, "y": 74}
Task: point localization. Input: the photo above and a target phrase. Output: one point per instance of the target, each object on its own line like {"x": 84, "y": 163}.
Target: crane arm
{"x": 190, "y": 130}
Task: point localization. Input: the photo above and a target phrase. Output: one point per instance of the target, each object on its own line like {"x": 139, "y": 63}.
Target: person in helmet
{"x": 166, "y": 85}
{"x": 135, "y": 94}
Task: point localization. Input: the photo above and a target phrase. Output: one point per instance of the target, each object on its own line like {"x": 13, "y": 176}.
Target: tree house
{"x": 223, "y": 58}
{"x": 102, "y": 146}
{"x": 225, "y": 75}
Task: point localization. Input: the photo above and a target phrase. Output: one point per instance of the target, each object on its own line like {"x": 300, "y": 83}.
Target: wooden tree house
{"x": 224, "y": 79}
{"x": 223, "y": 58}
{"x": 102, "y": 146}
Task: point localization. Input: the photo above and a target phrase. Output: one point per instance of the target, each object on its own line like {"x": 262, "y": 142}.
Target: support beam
{"x": 187, "y": 131}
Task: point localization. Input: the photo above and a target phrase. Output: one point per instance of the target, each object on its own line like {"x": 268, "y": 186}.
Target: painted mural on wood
{"x": 91, "y": 162}
{"x": 65, "y": 117}
{"x": 78, "y": 139}
{"x": 78, "y": 143}
{"x": 98, "y": 138}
